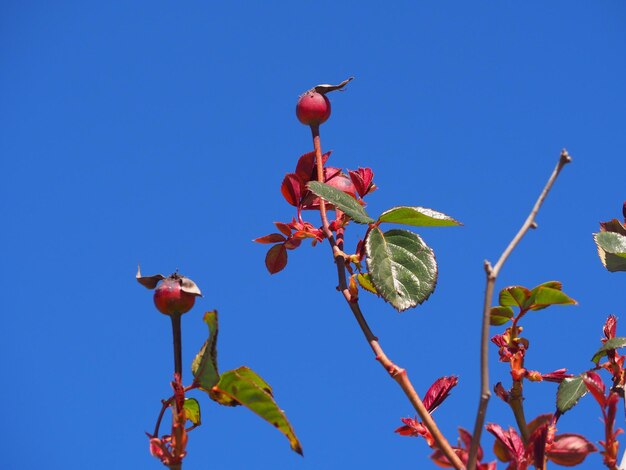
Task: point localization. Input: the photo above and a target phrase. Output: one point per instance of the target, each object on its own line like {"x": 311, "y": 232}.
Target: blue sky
{"x": 159, "y": 132}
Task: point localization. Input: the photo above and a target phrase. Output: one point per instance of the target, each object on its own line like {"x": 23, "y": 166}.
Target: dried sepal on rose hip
{"x": 313, "y": 107}
{"x": 173, "y": 295}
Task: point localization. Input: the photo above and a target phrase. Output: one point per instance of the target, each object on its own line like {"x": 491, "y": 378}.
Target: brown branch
{"x": 492, "y": 275}
{"x": 177, "y": 340}
{"x": 397, "y": 373}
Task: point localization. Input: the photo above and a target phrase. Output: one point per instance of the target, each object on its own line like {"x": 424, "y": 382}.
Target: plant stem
{"x": 492, "y": 275}
{"x": 176, "y": 333}
{"x": 516, "y": 402}
{"x": 165, "y": 406}
{"x": 397, "y": 373}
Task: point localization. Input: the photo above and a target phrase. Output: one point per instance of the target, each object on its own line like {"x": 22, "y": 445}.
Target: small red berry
{"x": 173, "y": 295}
{"x": 171, "y": 299}
{"x": 313, "y": 108}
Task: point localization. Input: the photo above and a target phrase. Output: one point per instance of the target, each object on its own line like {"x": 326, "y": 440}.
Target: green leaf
{"x": 365, "y": 280}
{"x": 248, "y": 389}
{"x": 500, "y": 315}
{"x": 192, "y": 410}
{"x": 552, "y": 285}
{"x": 570, "y": 391}
{"x": 542, "y": 297}
{"x": 514, "y": 296}
{"x": 613, "y": 343}
{"x": 248, "y": 374}
{"x": 417, "y": 217}
{"x": 611, "y": 250}
{"x": 342, "y": 201}
{"x": 204, "y": 366}
{"x": 401, "y": 266}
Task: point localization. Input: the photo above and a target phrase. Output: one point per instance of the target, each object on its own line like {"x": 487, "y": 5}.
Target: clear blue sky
{"x": 159, "y": 132}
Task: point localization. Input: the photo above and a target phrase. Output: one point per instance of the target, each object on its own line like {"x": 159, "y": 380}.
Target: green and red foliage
{"x": 397, "y": 265}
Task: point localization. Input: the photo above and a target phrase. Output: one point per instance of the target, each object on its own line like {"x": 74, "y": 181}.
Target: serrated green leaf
{"x": 570, "y": 391}
{"x": 542, "y": 297}
{"x": 342, "y": 201}
{"x": 401, "y": 266}
{"x": 611, "y": 250}
{"x": 365, "y": 280}
{"x": 514, "y": 296}
{"x": 417, "y": 217}
{"x": 204, "y": 366}
{"x": 613, "y": 343}
{"x": 192, "y": 410}
{"x": 248, "y": 389}
{"x": 500, "y": 315}
{"x": 552, "y": 285}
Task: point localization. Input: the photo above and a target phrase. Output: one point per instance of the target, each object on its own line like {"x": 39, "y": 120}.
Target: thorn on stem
{"x": 533, "y": 225}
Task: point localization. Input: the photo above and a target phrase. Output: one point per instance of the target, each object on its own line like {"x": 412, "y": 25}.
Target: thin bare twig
{"x": 397, "y": 373}
{"x": 492, "y": 275}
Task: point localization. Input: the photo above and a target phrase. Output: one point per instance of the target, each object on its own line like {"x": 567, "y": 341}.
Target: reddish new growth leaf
{"x": 508, "y": 447}
{"x": 462, "y": 451}
{"x": 569, "y": 450}
{"x": 434, "y": 397}
{"x": 306, "y": 169}
{"x": 290, "y": 238}
{"x": 439, "y": 391}
{"x": 610, "y": 327}
{"x": 556, "y": 376}
{"x": 271, "y": 238}
{"x": 362, "y": 180}
{"x": 276, "y": 258}
{"x": 294, "y": 185}
{"x": 595, "y": 385}
{"x": 501, "y": 393}
{"x": 292, "y": 189}
{"x": 413, "y": 428}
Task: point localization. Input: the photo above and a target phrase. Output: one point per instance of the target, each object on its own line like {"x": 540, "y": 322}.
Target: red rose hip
{"x": 171, "y": 299}
{"x": 313, "y": 108}
{"x": 173, "y": 295}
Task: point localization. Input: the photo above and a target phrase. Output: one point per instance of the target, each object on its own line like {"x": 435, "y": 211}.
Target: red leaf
{"x": 342, "y": 183}
{"x": 413, "y": 428}
{"x": 556, "y": 376}
{"x": 439, "y": 391}
{"x": 362, "y": 180}
{"x": 442, "y": 461}
{"x": 501, "y": 392}
{"x": 330, "y": 172}
{"x": 306, "y": 167}
{"x": 276, "y": 258}
{"x": 595, "y": 385}
{"x": 293, "y": 243}
{"x": 569, "y": 449}
{"x": 537, "y": 443}
{"x": 291, "y": 189}
{"x": 466, "y": 438}
{"x": 610, "y": 327}
{"x": 271, "y": 238}
{"x": 508, "y": 446}
{"x": 284, "y": 228}
{"x": 611, "y": 405}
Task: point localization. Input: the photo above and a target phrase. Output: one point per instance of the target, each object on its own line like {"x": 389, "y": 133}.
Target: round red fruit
{"x": 171, "y": 299}
{"x": 313, "y": 108}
